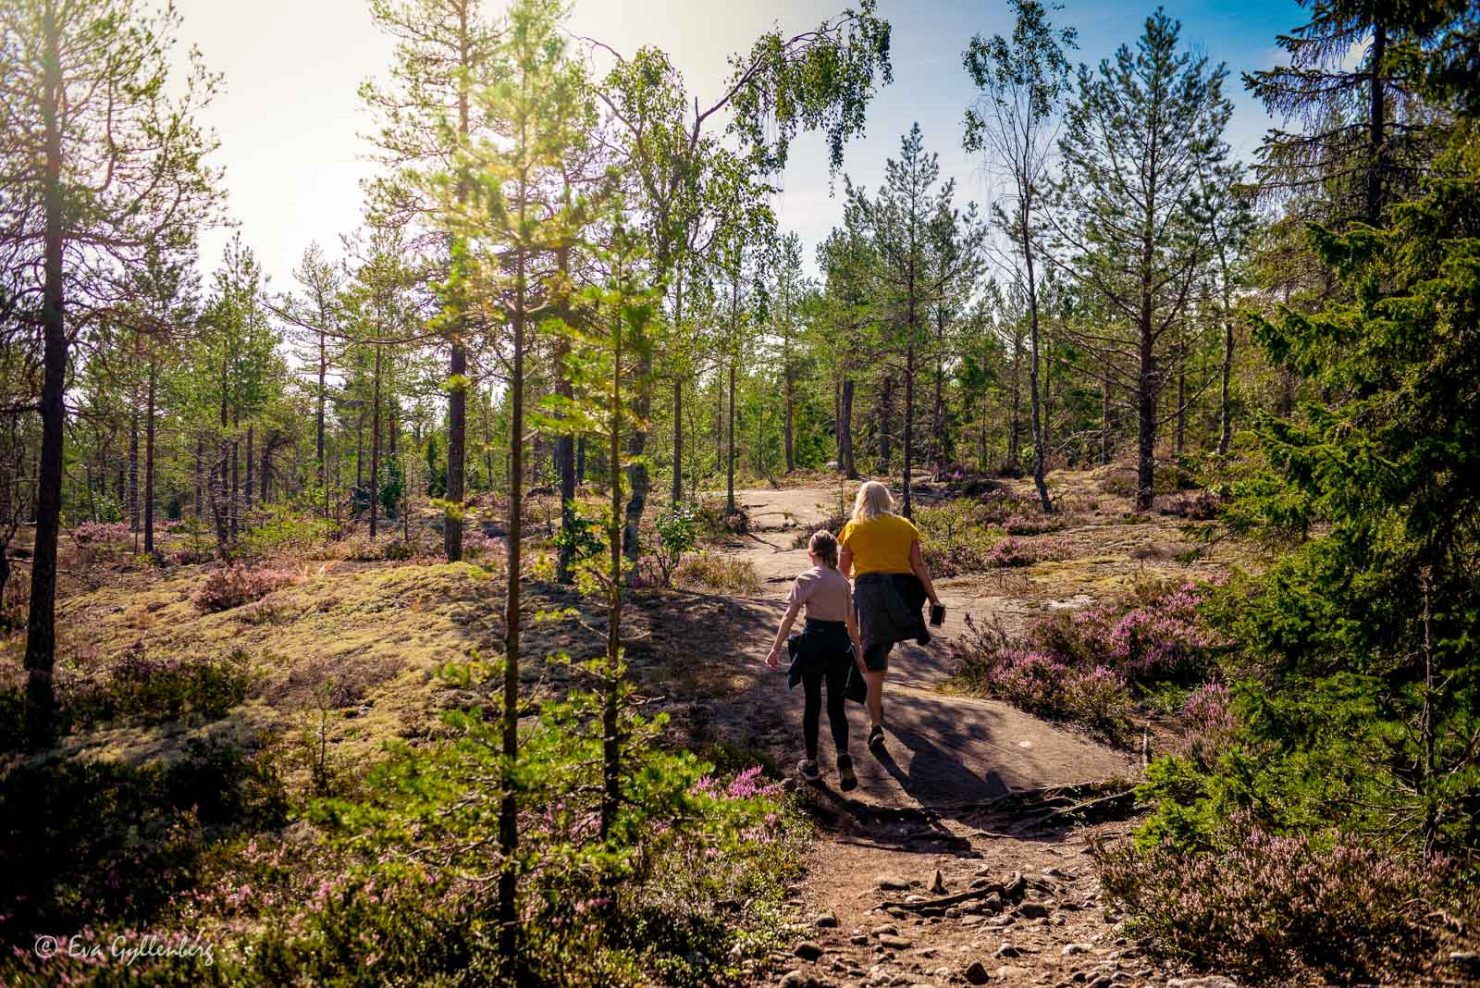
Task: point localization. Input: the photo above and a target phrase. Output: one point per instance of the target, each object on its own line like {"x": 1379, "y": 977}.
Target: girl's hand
{"x": 774, "y": 658}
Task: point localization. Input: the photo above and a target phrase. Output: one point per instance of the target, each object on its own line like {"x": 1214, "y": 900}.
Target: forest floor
{"x": 970, "y": 790}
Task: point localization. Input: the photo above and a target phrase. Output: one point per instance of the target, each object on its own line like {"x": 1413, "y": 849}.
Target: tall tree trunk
{"x": 1039, "y": 426}
{"x": 41, "y": 623}
{"x": 909, "y": 418}
{"x": 374, "y": 446}
{"x": 200, "y": 465}
{"x": 611, "y": 750}
{"x": 565, "y": 442}
{"x": 149, "y": 427}
{"x": 678, "y": 382}
{"x": 886, "y": 412}
{"x": 319, "y": 414}
{"x": 1015, "y": 414}
{"x": 730, "y": 446}
{"x": 508, "y": 824}
{"x": 981, "y": 437}
{"x": 1225, "y": 375}
{"x": 637, "y": 473}
{"x": 1105, "y": 443}
{"x": 266, "y": 470}
{"x": 235, "y": 500}
{"x": 845, "y": 431}
{"x": 938, "y": 419}
{"x": 250, "y": 487}
{"x": 457, "y": 437}
{"x": 1376, "y": 125}
{"x": 1146, "y": 391}
{"x": 788, "y": 389}
{"x": 457, "y": 362}
{"x": 133, "y": 472}
{"x": 1181, "y": 434}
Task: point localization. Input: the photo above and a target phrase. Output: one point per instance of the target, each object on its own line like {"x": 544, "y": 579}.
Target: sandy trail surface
{"x": 969, "y": 789}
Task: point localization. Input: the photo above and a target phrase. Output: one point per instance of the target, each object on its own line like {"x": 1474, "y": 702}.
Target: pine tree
{"x": 509, "y": 231}
{"x": 445, "y": 53}
{"x": 902, "y": 225}
{"x": 101, "y": 163}
{"x": 820, "y": 79}
{"x": 1140, "y": 133}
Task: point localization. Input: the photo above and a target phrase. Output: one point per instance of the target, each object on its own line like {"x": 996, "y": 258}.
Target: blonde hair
{"x": 872, "y": 501}
{"x": 825, "y": 547}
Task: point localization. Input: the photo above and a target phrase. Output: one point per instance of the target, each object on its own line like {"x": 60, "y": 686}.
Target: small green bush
{"x": 283, "y": 529}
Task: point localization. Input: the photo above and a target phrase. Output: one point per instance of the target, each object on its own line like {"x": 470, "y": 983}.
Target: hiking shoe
{"x": 876, "y": 738}
{"x": 807, "y": 767}
{"x": 847, "y": 781}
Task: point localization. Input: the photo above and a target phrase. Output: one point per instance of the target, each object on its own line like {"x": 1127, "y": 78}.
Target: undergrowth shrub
{"x": 1012, "y": 552}
{"x": 989, "y": 661}
{"x": 1271, "y": 907}
{"x": 90, "y": 841}
{"x": 956, "y": 536}
{"x": 1198, "y": 505}
{"x": 1156, "y": 636}
{"x": 140, "y": 689}
{"x": 478, "y": 544}
{"x": 1208, "y": 723}
{"x": 1093, "y": 666}
{"x": 686, "y": 887}
{"x": 1034, "y": 524}
{"x": 102, "y": 541}
{"x": 237, "y": 583}
{"x": 677, "y": 531}
{"x": 281, "y": 529}
{"x": 719, "y": 573}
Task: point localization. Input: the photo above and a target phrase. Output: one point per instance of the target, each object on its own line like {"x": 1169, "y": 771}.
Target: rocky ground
{"x": 963, "y": 858}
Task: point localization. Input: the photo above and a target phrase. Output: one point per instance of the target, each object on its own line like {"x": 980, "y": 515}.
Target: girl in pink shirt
{"x": 824, "y": 652}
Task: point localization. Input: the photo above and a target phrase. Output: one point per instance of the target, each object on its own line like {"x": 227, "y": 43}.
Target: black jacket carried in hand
{"x": 890, "y": 609}
{"x": 822, "y": 642}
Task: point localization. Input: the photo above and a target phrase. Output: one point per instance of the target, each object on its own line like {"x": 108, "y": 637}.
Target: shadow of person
{"x": 935, "y": 776}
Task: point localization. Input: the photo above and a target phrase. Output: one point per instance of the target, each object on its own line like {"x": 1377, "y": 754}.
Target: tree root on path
{"x": 1012, "y": 890}
{"x": 1098, "y": 809}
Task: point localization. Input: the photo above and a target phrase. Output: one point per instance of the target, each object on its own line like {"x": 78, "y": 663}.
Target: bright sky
{"x": 290, "y": 118}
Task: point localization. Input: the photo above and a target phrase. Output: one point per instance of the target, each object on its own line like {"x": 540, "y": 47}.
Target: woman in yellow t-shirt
{"x": 880, "y": 551}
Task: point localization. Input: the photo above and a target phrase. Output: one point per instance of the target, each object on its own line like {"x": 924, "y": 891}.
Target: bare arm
{"x": 845, "y": 562}
{"x": 774, "y": 658}
{"x": 918, "y": 567}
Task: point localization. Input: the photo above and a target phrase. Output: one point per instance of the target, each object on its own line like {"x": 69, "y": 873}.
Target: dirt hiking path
{"x": 969, "y": 795}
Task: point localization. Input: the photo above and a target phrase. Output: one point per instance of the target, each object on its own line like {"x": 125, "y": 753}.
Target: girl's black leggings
{"x": 835, "y": 672}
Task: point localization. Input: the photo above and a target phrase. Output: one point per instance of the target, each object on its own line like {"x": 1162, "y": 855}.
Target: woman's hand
{"x": 773, "y": 659}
